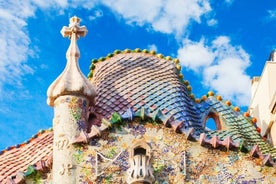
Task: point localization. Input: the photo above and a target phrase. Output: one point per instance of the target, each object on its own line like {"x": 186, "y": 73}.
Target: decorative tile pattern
{"x": 242, "y": 130}
{"x": 174, "y": 159}
{"x": 32, "y": 152}
{"x": 139, "y": 80}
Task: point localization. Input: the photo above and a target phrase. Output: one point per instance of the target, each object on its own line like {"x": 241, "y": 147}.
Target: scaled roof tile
{"x": 17, "y": 159}
{"x": 151, "y": 81}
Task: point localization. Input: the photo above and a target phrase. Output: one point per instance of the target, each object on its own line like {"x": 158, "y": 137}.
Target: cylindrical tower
{"x": 70, "y": 95}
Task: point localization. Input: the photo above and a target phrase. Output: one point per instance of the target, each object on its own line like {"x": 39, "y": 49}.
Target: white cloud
{"x": 14, "y": 42}
{"x": 83, "y": 4}
{"x": 172, "y": 17}
{"x": 95, "y": 15}
{"x": 49, "y": 4}
{"x": 212, "y": 22}
{"x": 222, "y": 64}
{"x": 162, "y": 15}
{"x": 152, "y": 47}
{"x": 229, "y": 1}
{"x": 141, "y": 12}
{"x": 195, "y": 55}
{"x": 272, "y": 14}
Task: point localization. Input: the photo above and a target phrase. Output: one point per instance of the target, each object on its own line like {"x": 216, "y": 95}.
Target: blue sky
{"x": 221, "y": 46}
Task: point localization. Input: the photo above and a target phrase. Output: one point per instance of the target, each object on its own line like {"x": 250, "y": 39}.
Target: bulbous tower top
{"x": 71, "y": 81}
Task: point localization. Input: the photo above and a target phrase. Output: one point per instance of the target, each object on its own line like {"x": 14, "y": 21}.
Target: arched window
{"x": 140, "y": 170}
{"x": 212, "y": 121}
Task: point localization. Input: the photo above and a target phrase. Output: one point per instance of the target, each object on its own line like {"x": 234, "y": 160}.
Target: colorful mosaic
{"x": 174, "y": 159}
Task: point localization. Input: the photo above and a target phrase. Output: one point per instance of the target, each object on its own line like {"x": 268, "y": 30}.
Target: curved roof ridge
{"x": 212, "y": 100}
{"x": 241, "y": 128}
{"x": 145, "y": 52}
{"x": 137, "y": 50}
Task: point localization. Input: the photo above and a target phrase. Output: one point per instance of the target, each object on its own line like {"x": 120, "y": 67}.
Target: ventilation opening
{"x": 140, "y": 151}
{"x": 212, "y": 121}
{"x": 91, "y": 117}
{"x": 92, "y": 120}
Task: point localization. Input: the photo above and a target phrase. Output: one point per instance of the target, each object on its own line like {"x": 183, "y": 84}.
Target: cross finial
{"x": 71, "y": 81}
{"x": 74, "y": 31}
{"x": 74, "y": 28}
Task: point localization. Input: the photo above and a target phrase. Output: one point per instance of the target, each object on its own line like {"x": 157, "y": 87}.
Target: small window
{"x": 211, "y": 124}
{"x": 139, "y": 151}
{"x": 212, "y": 121}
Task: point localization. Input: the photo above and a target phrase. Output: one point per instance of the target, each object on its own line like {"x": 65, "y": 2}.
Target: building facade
{"x": 135, "y": 120}
{"x": 263, "y": 101}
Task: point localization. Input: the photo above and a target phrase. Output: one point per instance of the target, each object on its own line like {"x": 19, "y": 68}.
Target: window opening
{"x": 212, "y": 121}
{"x": 140, "y": 151}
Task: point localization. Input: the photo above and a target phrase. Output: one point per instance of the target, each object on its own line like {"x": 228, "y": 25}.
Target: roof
{"x": 145, "y": 84}
{"x": 141, "y": 80}
{"x": 14, "y": 161}
{"x": 130, "y": 82}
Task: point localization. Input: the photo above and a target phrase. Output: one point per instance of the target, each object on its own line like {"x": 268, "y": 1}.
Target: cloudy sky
{"x": 221, "y": 45}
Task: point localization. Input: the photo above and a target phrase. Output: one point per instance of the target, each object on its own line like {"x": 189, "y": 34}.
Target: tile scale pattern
{"x": 16, "y": 159}
{"x": 142, "y": 81}
{"x": 139, "y": 80}
{"x": 238, "y": 127}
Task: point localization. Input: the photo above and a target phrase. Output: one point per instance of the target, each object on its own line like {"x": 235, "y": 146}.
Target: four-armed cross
{"x": 74, "y": 31}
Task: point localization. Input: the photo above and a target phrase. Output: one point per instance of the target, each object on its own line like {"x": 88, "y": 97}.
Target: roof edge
{"x": 40, "y": 132}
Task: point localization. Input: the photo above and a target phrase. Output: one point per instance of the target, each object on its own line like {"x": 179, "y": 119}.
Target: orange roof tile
{"x": 18, "y": 158}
